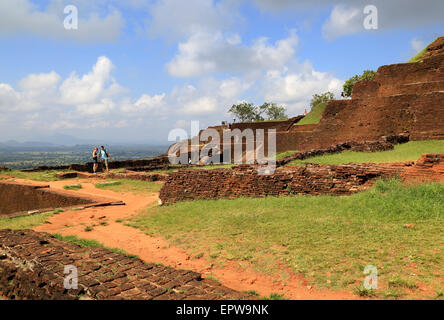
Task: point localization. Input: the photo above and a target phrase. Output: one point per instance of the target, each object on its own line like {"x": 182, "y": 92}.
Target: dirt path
{"x": 156, "y": 249}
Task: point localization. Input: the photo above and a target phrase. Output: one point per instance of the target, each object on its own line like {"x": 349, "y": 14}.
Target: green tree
{"x": 248, "y": 112}
{"x": 321, "y": 98}
{"x": 273, "y": 111}
{"x": 348, "y": 85}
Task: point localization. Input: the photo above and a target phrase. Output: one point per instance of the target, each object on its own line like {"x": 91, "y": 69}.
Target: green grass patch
{"x": 314, "y": 116}
{"x": 27, "y": 222}
{"x": 410, "y": 151}
{"x": 285, "y": 154}
{"x": 72, "y": 187}
{"x": 327, "y": 239}
{"x": 132, "y": 186}
{"x": 90, "y": 244}
{"x": 419, "y": 56}
{"x": 49, "y": 175}
{"x": 275, "y": 296}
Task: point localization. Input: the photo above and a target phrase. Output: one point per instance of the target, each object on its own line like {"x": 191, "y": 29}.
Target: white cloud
{"x": 23, "y": 16}
{"x": 9, "y": 98}
{"x": 206, "y": 53}
{"x": 145, "y": 103}
{"x": 203, "y": 105}
{"x": 295, "y": 87}
{"x": 39, "y": 81}
{"x": 178, "y": 18}
{"x": 342, "y": 21}
{"x": 102, "y": 107}
{"x": 90, "y": 87}
{"x": 183, "y": 124}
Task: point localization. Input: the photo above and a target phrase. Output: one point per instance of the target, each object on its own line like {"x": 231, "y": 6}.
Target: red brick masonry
{"x": 312, "y": 179}
{"x": 32, "y": 267}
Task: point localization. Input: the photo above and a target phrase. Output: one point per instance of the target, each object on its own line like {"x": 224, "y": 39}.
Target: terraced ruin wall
{"x": 312, "y": 179}
{"x": 244, "y": 181}
{"x": 160, "y": 162}
{"x": 32, "y": 266}
{"x": 17, "y": 198}
{"x": 406, "y": 97}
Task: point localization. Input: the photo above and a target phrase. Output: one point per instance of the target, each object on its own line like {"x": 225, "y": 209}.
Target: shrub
{"x": 348, "y": 85}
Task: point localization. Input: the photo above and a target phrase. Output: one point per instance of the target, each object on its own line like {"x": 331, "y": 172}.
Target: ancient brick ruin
{"x": 406, "y": 97}
{"x": 17, "y": 199}
{"x": 20, "y": 199}
{"x": 157, "y": 163}
{"x": 32, "y": 267}
{"x": 312, "y": 179}
{"x": 244, "y": 181}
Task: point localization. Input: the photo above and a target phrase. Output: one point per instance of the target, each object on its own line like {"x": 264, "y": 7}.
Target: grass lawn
{"x": 314, "y": 116}
{"x": 72, "y": 187}
{"x": 132, "y": 186}
{"x": 49, "y": 175}
{"x": 284, "y": 154}
{"x": 26, "y": 222}
{"x": 409, "y": 151}
{"x": 328, "y": 239}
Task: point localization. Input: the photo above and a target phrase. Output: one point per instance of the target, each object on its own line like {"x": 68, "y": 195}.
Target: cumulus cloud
{"x": 207, "y": 53}
{"x": 39, "y": 81}
{"x": 104, "y": 106}
{"x": 294, "y": 87}
{"x": 145, "y": 103}
{"x": 178, "y": 18}
{"x": 23, "y": 16}
{"x": 347, "y": 17}
{"x": 89, "y": 87}
{"x": 342, "y": 21}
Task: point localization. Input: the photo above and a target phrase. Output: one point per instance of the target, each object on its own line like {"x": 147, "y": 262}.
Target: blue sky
{"x": 136, "y": 69}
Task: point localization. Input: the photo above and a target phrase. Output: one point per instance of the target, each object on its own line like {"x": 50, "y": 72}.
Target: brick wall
{"x": 32, "y": 267}
{"x": 243, "y": 181}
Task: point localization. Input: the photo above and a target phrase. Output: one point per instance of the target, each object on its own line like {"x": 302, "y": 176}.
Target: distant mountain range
{"x": 29, "y": 146}
{"x": 63, "y": 142}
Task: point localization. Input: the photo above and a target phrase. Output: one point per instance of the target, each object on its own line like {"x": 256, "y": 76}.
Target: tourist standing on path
{"x": 95, "y": 156}
{"x": 104, "y": 157}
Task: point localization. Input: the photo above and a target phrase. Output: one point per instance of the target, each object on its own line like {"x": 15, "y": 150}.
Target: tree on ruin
{"x": 321, "y": 98}
{"x": 248, "y": 112}
{"x": 273, "y": 111}
{"x": 348, "y": 85}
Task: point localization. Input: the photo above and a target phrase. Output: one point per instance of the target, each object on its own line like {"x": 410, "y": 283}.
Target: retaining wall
{"x": 244, "y": 181}
{"x": 18, "y": 198}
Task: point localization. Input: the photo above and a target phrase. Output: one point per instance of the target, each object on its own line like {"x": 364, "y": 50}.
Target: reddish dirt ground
{"x": 156, "y": 249}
